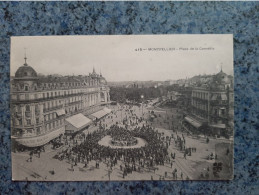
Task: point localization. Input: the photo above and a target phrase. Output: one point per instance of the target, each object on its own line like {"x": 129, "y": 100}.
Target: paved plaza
{"x": 178, "y": 166}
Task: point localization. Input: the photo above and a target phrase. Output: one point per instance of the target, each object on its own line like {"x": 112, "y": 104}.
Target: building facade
{"x": 212, "y": 105}
{"x": 40, "y": 105}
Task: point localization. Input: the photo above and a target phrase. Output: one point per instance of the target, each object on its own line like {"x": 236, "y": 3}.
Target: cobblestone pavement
{"x": 47, "y": 168}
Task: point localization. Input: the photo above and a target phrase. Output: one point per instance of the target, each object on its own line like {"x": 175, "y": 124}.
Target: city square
{"x": 190, "y": 167}
{"x": 87, "y": 128}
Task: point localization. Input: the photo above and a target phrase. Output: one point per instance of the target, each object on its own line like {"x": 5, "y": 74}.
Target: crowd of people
{"x": 133, "y": 159}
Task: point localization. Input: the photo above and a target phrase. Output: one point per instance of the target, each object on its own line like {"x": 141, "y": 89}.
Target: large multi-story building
{"x": 212, "y": 105}
{"x": 44, "y": 107}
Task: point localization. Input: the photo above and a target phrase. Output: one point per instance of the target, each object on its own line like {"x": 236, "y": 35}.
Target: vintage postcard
{"x": 120, "y": 108}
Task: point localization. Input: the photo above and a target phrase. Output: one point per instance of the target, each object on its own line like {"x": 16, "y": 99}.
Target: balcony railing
{"x": 52, "y": 108}
{"x": 28, "y": 114}
{"x": 218, "y": 102}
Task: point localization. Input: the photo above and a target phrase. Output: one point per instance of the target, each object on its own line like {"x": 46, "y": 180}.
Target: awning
{"x": 79, "y": 121}
{"x": 91, "y": 117}
{"x": 219, "y": 126}
{"x": 60, "y": 112}
{"x": 192, "y": 122}
{"x": 40, "y": 140}
{"x": 107, "y": 110}
{"x": 99, "y": 114}
{"x": 224, "y": 97}
{"x": 231, "y": 124}
{"x": 214, "y": 97}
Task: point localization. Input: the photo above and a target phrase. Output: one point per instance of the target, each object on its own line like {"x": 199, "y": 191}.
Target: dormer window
{"x": 25, "y": 74}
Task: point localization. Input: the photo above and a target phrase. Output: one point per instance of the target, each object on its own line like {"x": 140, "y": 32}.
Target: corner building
{"x": 213, "y": 106}
{"x": 41, "y": 105}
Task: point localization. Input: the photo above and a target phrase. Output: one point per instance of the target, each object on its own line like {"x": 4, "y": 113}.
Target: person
{"x": 31, "y": 153}
{"x": 85, "y": 164}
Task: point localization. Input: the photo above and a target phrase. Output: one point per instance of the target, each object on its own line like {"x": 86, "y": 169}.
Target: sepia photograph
{"x": 122, "y": 107}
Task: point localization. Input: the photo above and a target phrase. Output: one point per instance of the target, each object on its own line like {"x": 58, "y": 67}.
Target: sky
{"x": 125, "y": 57}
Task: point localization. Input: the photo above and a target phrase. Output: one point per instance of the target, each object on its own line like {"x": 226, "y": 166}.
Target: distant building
{"x": 173, "y": 95}
{"x": 43, "y": 106}
{"x": 212, "y": 105}
{"x": 169, "y": 82}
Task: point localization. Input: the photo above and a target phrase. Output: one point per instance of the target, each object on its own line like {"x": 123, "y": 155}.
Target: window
{"x": 37, "y": 120}
{"x": 27, "y": 108}
{"x": 37, "y": 109}
{"x": 38, "y": 130}
{"x": 28, "y": 121}
{"x": 27, "y": 97}
{"x": 35, "y": 96}
{"x": 26, "y": 88}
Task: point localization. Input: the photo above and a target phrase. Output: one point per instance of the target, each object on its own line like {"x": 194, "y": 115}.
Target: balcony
{"x": 28, "y": 114}
{"x": 37, "y": 112}
{"x": 18, "y": 114}
{"x": 53, "y": 108}
{"x": 218, "y": 103}
{"x": 73, "y": 103}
